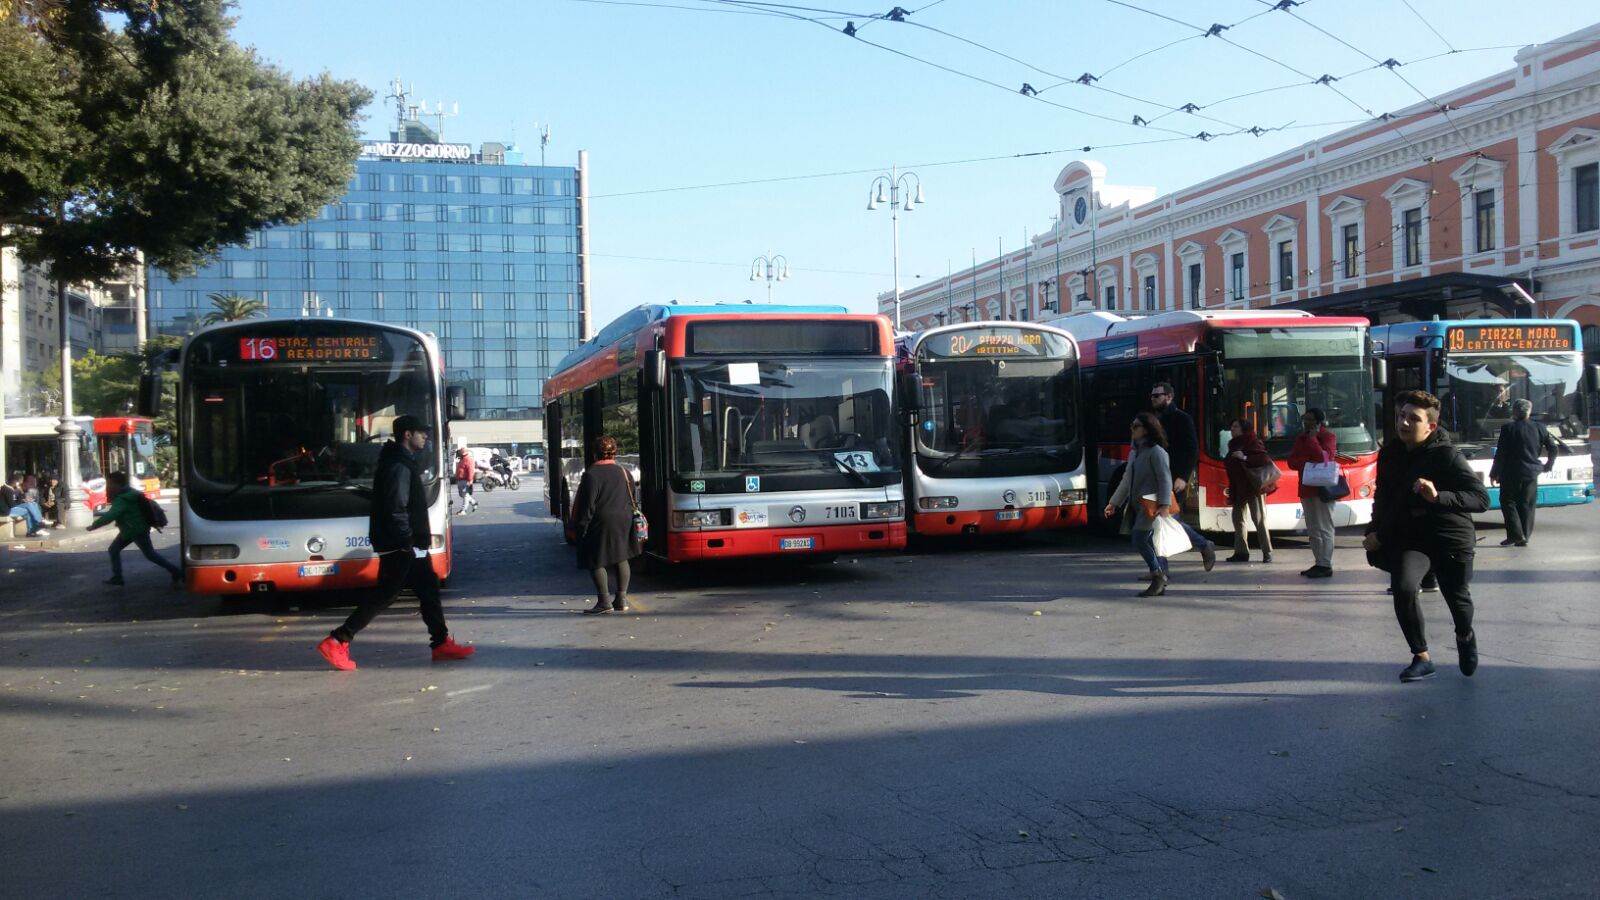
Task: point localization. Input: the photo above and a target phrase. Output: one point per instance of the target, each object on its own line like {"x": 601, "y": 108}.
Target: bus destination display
{"x": 1475, "y": 338}
{"x": 312, "y": 349}
{"x": 993, "y": 342}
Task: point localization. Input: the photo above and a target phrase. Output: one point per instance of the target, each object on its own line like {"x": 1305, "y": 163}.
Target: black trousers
{"x": 1518, "y": 500}
{"x": 398, "y": 570}
{"x": 1454, "y": 571}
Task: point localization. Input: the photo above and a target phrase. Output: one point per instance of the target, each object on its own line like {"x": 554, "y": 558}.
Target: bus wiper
{"x": 959, "y": 454}
{"x": 862, "y": 479}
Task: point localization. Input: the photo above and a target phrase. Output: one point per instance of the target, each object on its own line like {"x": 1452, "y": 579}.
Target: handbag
{"x": 641, "y": 525}
{"x": 1170, "y": 538}
{"x": 1147, "y": 503}
{"x": 1265, "y": 478}
{"x": 1339, "y": 491}
{"x": 1322, "y": 474}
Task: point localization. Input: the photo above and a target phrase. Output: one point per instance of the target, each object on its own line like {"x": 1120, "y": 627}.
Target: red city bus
{"x": 1268, "y": 366}
{"x": 128, "y": 444}
{"x": 749, "y": 430}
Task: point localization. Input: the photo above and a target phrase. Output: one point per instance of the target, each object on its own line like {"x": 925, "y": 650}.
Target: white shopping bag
{"x": 1323, "y": 474}
{"x": 1170, "y": 538}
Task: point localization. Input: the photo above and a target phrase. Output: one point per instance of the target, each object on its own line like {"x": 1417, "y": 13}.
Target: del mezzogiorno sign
{"x": 393, "y": 150}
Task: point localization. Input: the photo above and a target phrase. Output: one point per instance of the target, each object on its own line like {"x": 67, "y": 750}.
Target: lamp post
{"x": 75, "y": 511}
{"x": 891, "y": 188}
{"x": 772, "y": 268}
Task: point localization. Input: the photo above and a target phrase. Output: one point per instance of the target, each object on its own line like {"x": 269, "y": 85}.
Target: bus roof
{"x": 650, "y": 313}
{"x": 1091, "y": 325}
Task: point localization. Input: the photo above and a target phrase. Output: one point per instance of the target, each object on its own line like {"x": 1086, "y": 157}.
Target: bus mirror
{"x": 149, "y": 401}
{"x": 1380, "y": 374}
{"x": 1592, "y": 376}
{"x": 655, "y": 368}
{"x": 455, "y": 403}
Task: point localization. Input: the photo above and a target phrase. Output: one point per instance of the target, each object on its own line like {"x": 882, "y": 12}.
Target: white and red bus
{"x": 994, "y": 439}
{"x": 1268, "y": 366}
{"x": 281, "y": 423}
{"x": 106, "y": 444}
{"x": 751, "y": 430}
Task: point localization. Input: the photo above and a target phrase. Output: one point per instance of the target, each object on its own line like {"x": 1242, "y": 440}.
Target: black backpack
{"x": 153, "y": 513}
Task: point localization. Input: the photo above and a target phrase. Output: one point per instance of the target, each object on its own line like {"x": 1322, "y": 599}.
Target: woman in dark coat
{"x": 1246, "y": 452}
{"x": 602, "y": 516}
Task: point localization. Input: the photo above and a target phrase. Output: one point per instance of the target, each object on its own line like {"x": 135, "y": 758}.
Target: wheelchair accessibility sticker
{"x": 752, "y": 483}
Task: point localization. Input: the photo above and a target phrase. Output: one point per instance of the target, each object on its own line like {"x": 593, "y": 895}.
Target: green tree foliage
{"x": 107, "y": 384}
{"x": 139, "y": 125}
{"x": 232, "y": 308}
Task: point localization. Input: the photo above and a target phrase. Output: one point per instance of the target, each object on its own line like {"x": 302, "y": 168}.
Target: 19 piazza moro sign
{"x": 394, "y": 150}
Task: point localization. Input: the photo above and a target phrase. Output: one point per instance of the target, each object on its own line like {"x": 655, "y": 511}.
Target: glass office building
{"x": 473, "y": 246}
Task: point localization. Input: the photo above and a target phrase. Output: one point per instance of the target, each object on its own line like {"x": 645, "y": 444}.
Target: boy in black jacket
{"x": 400, "y": 535}
{"x": 1422, "y": 520}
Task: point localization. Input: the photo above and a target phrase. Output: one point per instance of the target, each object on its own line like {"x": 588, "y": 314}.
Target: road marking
{"x": 470, "y": 690}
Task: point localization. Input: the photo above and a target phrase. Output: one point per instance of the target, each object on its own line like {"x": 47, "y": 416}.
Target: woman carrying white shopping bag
{"x": 1315, "y": 458}
{"x": 1147, "y": 480}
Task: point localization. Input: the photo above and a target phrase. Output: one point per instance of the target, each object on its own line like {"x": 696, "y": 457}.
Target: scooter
{"x": 489, "y": 479}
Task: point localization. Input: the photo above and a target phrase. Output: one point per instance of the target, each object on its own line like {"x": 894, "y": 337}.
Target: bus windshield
{"x": 1477, "y": 391}
{"x": 1271, "y": 376}
{"x": 277, "y": 439}
{"x": 792, "y": 425}
{"x": 990, "y": 417}
{"x": 144, "y": 451}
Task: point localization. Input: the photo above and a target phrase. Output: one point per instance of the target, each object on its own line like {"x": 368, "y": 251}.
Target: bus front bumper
{"x": 999, "y": 521}
{"x": 1286, "y": 516}
{"x": 685, "y": 546}
{"x": 1553, "y": 495}
{"x": 309, "y": 575}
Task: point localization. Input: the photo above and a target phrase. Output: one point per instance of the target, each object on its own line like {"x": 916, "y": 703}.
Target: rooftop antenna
{"x": 544, "y": 139}
{"x": 439, "y": 115}
{"x": 400, "y": 94}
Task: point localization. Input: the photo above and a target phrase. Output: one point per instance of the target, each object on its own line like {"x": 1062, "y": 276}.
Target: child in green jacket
{"x": 133, "y": 527}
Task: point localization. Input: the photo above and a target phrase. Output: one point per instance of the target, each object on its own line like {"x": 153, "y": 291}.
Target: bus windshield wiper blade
{"x": 863, "y": 479}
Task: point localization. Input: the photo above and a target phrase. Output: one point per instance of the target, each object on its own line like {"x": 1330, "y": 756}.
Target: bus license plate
{"x": 796, "y": 543}
{"x": 314, "y": 569}
{"x": 1008, "y": 515}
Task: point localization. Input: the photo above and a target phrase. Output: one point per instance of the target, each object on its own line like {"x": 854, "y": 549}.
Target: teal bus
{"x": 1478, "y": 368}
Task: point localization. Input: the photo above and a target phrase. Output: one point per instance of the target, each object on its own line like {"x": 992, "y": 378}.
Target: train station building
{"x": 1484, "y": 202}
{"x": 471, "y": 244}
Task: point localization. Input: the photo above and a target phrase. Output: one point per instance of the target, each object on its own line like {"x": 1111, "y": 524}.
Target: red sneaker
{"x": 337, "y": 653}
{"x": 451, "y": 650}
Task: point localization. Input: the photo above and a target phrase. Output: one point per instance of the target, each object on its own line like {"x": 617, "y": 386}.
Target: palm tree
{"x": 232, "y": 308}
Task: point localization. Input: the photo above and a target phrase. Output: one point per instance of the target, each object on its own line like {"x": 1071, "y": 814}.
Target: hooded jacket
{"x": 1403, "y": 520}
{"x": 399, "y": 517}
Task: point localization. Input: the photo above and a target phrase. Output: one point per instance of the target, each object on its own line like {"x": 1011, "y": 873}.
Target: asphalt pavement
{"x": 956, "y": 721}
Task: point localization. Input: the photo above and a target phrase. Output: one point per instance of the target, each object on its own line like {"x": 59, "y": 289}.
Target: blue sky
{"x": 666, "y": 98}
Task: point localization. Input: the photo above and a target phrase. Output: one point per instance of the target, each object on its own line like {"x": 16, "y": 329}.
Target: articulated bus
{"x": 994, "y": 441}
{"x": 281, "y": 423}
{"x": 106, "y": 444}
{"x": 1268, "y": 366}
{"x": 1478, "y": 368}
{"x": 750, "y": 430}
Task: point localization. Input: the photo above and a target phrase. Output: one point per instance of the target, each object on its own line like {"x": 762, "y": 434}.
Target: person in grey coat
{"x": 602, "y": 516}
{"x": 1149, "y": 472}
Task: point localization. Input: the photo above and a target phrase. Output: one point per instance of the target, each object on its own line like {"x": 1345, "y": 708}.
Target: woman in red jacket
{"x": 1316, "y": 444}
{"x": 1246, "y": 452}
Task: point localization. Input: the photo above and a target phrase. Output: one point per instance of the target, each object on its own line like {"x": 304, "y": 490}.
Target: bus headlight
{"x": 1585, "y": 474}
{"x": 1075, "y": 497}
{"x": 698, "y": 518}
{"x": 1366, "y": 490}
{"x": 893, "y": 509}
{"x": 206, "y": 552}
{"x": 938, "y": 502}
